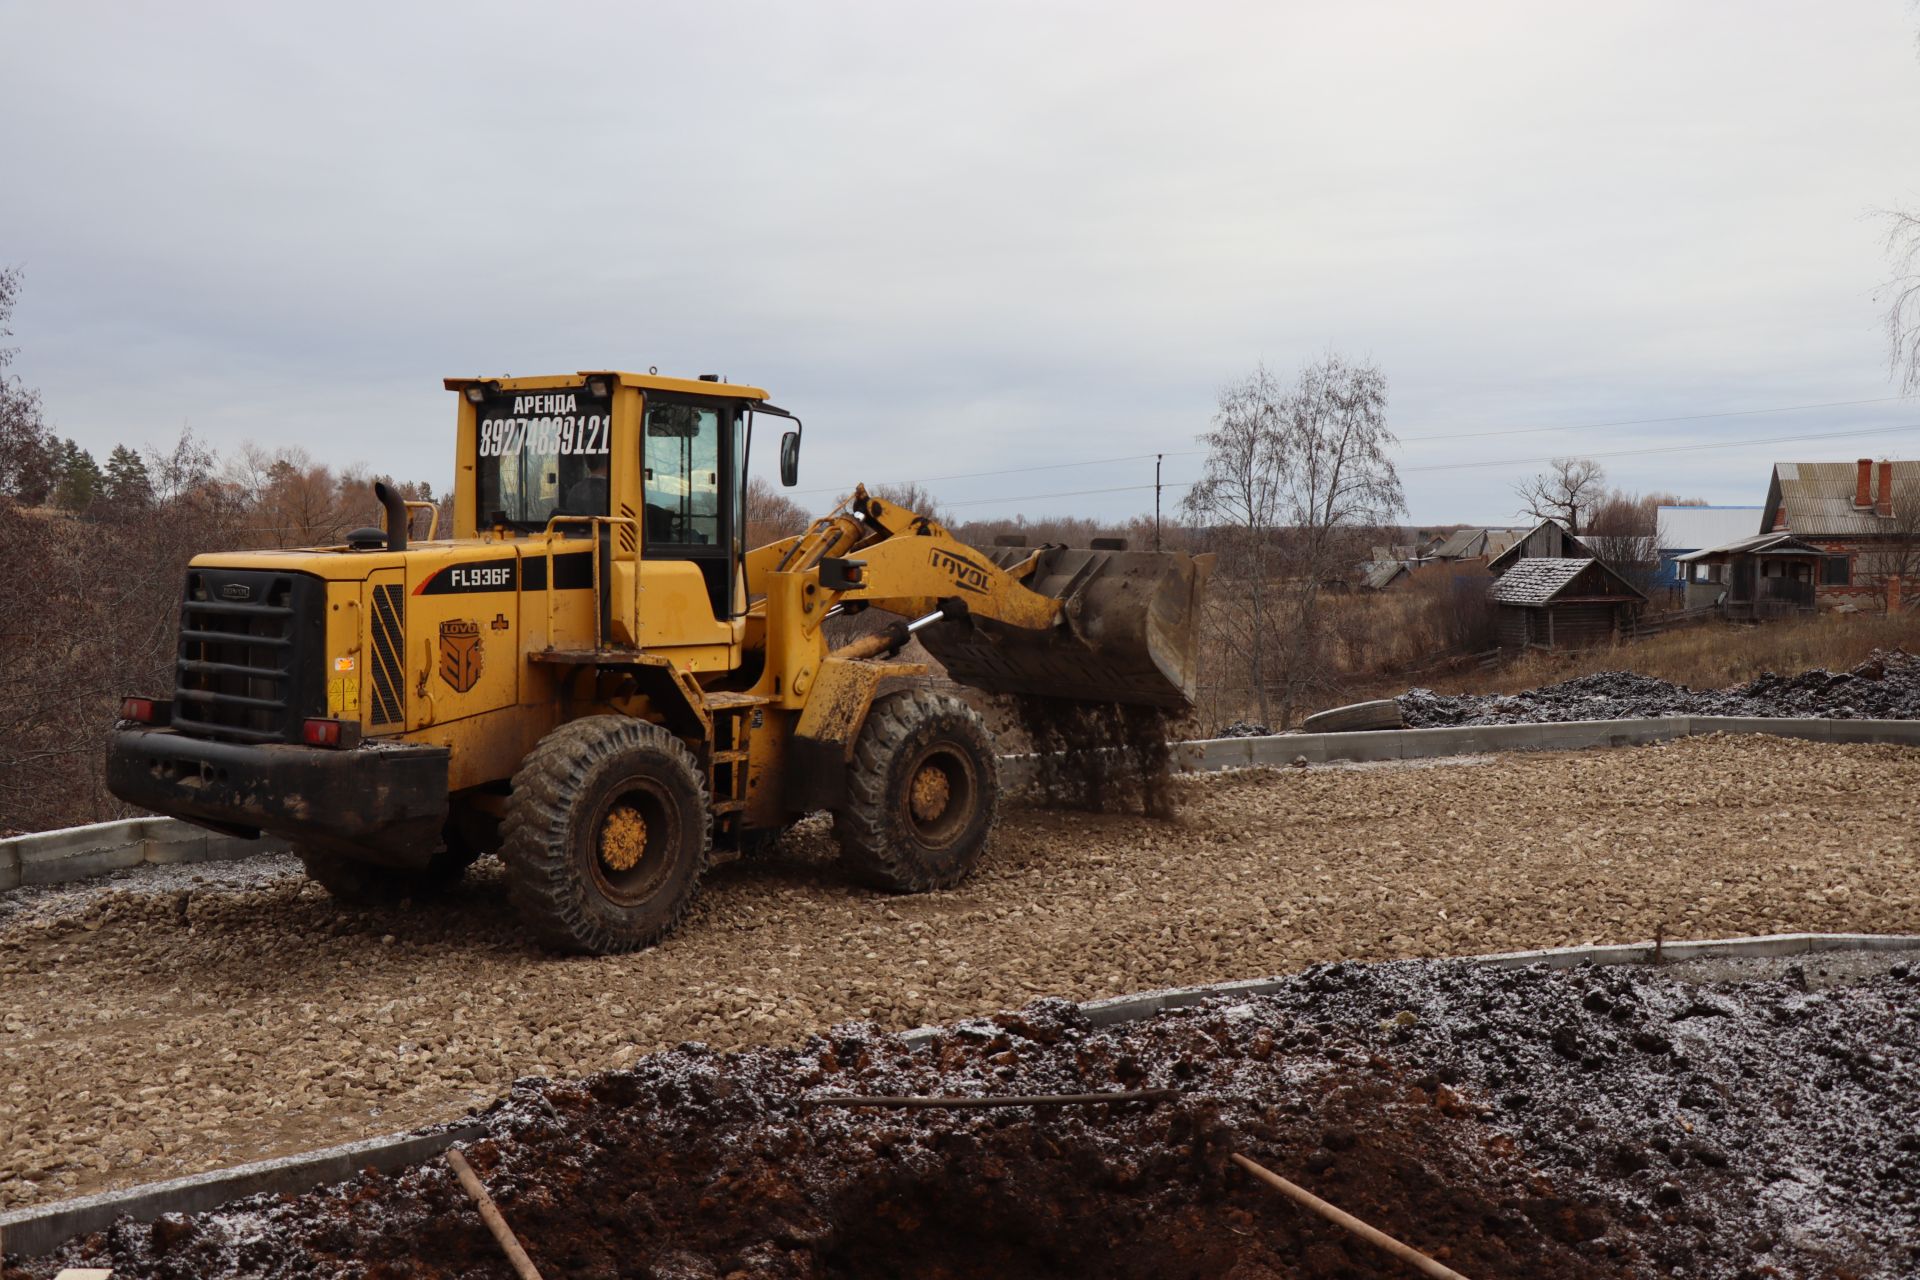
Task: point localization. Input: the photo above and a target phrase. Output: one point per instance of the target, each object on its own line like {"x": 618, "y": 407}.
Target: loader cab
{"x": 669, "y": 454}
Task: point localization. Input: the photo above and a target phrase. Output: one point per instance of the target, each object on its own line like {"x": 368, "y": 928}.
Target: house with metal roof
{"x": 1864, "y": 515}
{"x": 1680, "y": 531}
{"x": 1753, "y": 579}
{"x": 1562, "y": 602}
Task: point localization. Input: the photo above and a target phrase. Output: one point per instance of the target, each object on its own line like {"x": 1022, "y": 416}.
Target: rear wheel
{"x": 921, "y": 794}
{"x": 608, "y": 832}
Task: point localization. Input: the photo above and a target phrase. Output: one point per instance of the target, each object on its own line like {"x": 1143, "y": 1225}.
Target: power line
{"x": 1650, "y": 422}
{"x": 1420, "y": 439}
{"x": 1490, "y": 462}
{"x": 1677, "y": 448}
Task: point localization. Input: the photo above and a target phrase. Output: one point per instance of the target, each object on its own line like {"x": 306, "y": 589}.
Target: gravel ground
{"x": 1587, "y": 1124}
{"x": 144, "y": 1035}
{"x": 1885, "y": 687}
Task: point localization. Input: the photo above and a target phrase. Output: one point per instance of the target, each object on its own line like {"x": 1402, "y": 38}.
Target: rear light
{"x": 324, "y": 733}
{"x": 143, "y": 710}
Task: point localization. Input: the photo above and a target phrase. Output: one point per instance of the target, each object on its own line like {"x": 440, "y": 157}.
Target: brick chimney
{"x": 1884, "y": 507}
{"x": 1863, "y": 484}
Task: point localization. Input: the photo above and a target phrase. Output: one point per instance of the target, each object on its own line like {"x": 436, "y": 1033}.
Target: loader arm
{"x": 1089, "y": 625}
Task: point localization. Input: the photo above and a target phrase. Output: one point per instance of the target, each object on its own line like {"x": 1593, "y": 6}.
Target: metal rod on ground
{"x": 1300, "y": 1195}
{"x": 1042, "y": 1100}
{"x": 522, "y": 1264}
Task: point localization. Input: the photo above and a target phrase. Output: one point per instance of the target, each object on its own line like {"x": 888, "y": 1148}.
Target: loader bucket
{"x": 1126, "y": 634}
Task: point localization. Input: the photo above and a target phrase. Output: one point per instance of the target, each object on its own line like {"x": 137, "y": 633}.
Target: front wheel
{"x": 922, "y": 789}
{"x": 608, "y": 832}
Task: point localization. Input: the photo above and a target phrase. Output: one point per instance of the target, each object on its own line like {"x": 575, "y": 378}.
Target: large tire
{"x": 608, "y": 832}
{"x": 354, "y": 883}
{"x": 922, "y": 792}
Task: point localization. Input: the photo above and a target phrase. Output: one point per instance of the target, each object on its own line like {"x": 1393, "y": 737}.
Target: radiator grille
{"x": 389, "y": 645}
{"x": 246, "y": 669}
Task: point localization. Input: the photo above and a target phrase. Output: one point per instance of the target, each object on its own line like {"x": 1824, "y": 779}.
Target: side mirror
{"x": 790, "y": 459}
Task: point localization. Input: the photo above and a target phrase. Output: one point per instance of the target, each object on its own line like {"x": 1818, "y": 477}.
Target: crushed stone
{"x": 1884, "y": 687}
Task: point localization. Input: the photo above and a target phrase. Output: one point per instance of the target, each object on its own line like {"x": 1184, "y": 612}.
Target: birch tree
{"x": 1297, "y": 481}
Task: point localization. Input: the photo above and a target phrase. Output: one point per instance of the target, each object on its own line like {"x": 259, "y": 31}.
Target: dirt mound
{"x": 1581, "y": 1123}
{"x": 1885, "y": 687}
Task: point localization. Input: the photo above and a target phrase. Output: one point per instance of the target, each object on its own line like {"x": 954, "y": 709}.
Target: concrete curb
{"x": 39, "y": 1229}
{"x": 79, "y": 853}
{"x": 1573, "y": 735}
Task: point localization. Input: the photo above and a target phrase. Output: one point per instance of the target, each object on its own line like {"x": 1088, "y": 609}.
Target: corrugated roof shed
{"x": 1816, "y": 498}
{"x": 1691, "y": 528}
{"x": 1468, "y": 544}
{"x": 1778, "y": 543}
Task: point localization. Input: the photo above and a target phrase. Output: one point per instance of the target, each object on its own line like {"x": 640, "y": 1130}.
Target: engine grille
{"x": 249, "y": 665}
{"x": 389, "y": 704}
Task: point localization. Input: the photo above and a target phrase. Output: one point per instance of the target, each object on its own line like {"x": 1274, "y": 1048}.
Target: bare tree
{"x": 771, "y": 514}
{"x": 1568, "y": 487}
{"x": 1902, "y": 294}
{"x": 1296, "y": 483}
{"x": 915, "y": 498}
{"x": 1622, "y": 532}
{"x": 30, "y": 456}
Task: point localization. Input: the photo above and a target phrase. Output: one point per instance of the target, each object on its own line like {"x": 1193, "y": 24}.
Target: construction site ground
{"x": 184, "y": 1019}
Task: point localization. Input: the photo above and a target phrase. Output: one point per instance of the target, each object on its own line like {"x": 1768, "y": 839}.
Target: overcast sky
{"x": 966, "y": 238}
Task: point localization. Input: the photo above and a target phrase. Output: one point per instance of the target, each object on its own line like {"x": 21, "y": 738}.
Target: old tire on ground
{"x": 608, "y": 832}
{"x": 922, "y": 791}
{"x": 367, "y": 884}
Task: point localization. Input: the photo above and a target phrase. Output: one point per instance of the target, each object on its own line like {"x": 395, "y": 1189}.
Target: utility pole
{"x": 1157, "y": 459}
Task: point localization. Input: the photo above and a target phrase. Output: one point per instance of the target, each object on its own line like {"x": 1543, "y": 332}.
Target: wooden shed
{"x": 1555, "y": 603}
{"x": 1548, "y": 540}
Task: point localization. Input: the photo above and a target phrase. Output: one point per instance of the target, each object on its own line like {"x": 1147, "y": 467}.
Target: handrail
{"x": 603, "y": 550}
{"x": 433, "y": 520}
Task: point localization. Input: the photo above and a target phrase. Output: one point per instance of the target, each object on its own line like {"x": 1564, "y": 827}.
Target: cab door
{"x": 691, "y": 487}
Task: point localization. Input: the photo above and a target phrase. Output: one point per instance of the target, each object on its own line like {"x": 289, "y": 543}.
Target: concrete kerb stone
{"x": 80, "y": 853}
{"x": 38, "y": 1229}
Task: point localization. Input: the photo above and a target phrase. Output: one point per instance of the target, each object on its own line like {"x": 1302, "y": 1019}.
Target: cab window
{"x": 541, "y": 454}
{"x": 680, "y": 461}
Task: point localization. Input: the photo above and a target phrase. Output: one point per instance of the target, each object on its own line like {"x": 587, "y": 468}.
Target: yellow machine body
{"x": 448, "y": 660}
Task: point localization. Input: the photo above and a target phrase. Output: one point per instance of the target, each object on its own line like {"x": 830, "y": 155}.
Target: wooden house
{"x": 1558, "y": 602}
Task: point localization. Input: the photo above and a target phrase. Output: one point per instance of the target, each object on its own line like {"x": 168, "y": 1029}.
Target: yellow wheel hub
{"x": 623, "y": 838}
{"x": 930, "y": 793}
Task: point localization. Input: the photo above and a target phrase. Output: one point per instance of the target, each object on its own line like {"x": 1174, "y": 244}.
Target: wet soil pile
{"x": 1513, "y": 1123}
{"x": 1885, "y": 687}
{"x": 1104, "y": 756}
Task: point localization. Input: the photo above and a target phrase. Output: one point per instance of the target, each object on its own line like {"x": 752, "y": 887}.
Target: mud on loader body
{"x": 594, "y": 679}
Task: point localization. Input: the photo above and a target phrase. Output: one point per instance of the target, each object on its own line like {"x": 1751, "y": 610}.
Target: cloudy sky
{"x": 973, "y": 238}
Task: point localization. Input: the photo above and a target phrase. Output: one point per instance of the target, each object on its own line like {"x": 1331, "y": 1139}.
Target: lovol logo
{"x": 236, "y": 591}
{"x": 966, "y": 575}
{"x": 461, "y": 657}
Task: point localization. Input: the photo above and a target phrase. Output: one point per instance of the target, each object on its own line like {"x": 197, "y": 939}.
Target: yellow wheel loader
{"x": 593, "y": 678}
